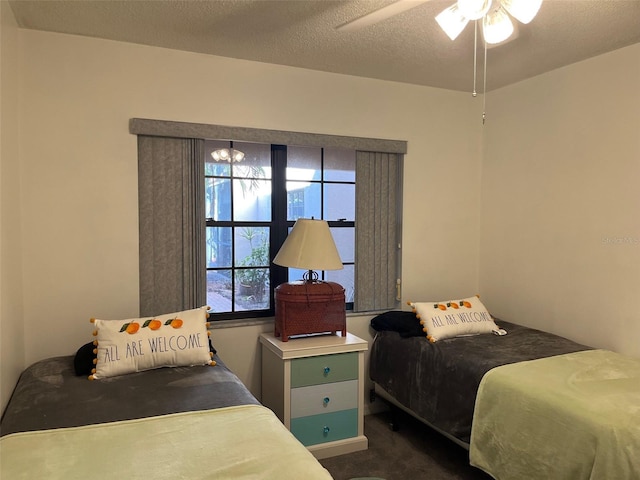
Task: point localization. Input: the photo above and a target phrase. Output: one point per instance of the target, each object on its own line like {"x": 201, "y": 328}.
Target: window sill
{"x": 248, "y": 322}
{"x": 244, "y": 322}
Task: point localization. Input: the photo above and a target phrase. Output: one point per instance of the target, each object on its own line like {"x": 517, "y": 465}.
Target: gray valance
{"x": 164, "y": 128}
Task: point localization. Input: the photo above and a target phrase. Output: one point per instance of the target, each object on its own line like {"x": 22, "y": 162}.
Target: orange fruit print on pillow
{"x": 153, "y": 324}
{"x": 130, "y": 328}
{"x": 174, "y": 322}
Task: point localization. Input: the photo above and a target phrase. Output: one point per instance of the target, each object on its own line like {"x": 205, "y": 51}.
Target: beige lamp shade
{"x": 309, "y": 246}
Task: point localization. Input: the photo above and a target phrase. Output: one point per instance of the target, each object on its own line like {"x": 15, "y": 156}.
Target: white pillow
{"x": 453, "y": 318}
{"x": 137, "y": 344}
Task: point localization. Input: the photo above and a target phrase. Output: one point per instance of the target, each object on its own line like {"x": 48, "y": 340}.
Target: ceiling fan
{"x": 496, "y": 15}
{"x": 493, "y": 15}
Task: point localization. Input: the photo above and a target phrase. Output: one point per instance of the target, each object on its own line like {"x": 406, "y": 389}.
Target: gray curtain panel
{"x": 378, "y": 230}
{"x": 172, "y": 224}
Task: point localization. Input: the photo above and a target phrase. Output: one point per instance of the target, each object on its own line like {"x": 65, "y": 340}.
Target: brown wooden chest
{"x": 309, "y": 307}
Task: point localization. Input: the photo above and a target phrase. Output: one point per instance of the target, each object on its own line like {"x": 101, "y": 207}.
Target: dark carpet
{"x": 413, "y": 452}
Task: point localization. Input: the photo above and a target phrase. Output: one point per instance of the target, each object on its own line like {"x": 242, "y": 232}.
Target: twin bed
{"x": 527, "y": 404}
{"x": 195, "y": 422}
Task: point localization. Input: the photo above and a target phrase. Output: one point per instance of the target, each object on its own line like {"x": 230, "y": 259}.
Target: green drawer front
{"x": 324, "y": 369}
{"x": 327, "y": 427}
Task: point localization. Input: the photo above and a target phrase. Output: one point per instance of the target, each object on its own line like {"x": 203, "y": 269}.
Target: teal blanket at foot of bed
{"x": 573, "y": 416}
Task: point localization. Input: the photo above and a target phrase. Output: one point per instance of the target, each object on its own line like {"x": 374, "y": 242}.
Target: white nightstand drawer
{"x": 324, "y": 369}
{"x": 330, "y": 427}
{"x": 325, "y": 398}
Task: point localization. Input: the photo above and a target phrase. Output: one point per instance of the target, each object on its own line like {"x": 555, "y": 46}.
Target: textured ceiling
{"x": 409, "y": 47}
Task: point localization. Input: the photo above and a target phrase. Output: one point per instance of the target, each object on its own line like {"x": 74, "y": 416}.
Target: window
{"x": 245, "y": 223}
{"x": 215, "y": 233}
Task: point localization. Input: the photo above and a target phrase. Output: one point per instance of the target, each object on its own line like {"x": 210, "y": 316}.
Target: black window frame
{"x": 279, "y": 227}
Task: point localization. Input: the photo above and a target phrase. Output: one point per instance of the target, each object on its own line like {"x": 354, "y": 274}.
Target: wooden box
{"x": 309, "y": 307}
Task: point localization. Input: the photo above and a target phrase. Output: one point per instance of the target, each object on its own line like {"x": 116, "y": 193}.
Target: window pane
{"x": 219, "y": 290}
{"x": 303, "y": 200}
{"x": 339, "y": 201}
{"x": 217, "y": 198}
{"x": 304, "y": 163}
{"x": 345, "y": 278}
{"x": 252, "y": 284}
{"x": 252, "y": 289}
{"x": 252, "y": 247}
{"x": 218, "y": 248}
{"x": 344, "y": 237}
{"x": 252, "y": 200}
{"x": 212, "y": 167}
{"x": 295, "y": 204}
{"x": 339, "y": 164}
{"x": 256, "y": 162}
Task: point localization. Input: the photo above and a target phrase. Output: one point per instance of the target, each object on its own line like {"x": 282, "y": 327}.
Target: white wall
{"x": 80, "y": 245}
{"x": 560, "y": 244}
{"x": 12, "y": 343}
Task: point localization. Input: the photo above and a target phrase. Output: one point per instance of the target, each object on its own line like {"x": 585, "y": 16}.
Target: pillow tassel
{"x": 413, "y": 309}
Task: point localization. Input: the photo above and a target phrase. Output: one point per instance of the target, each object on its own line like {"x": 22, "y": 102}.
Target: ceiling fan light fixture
{"x": 497, "y": 26}
{"x": 522, "y": 10}
{"x": 452, "y": 21}
{"x": 474, "y": 9}
{"x": 227, "y": 155}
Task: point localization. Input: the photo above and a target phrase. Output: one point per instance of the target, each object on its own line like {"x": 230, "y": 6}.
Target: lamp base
{"x": 307, "y": 307}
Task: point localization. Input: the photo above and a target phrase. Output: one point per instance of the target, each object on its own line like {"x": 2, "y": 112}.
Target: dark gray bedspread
{"x": 50, "y": 395}
{"x": 438, "y": 381}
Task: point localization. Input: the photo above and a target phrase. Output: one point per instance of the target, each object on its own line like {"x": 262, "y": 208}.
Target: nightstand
{"x": 315, "y": 385}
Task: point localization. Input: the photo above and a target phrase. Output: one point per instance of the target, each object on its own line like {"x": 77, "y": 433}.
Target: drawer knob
{"x": 326, "y": 401}
{"x": 327, "y": 370}
{"x": 325, "y": 430}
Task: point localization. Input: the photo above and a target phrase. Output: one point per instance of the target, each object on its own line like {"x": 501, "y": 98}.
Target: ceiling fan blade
{"x": 383, "y": 13}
